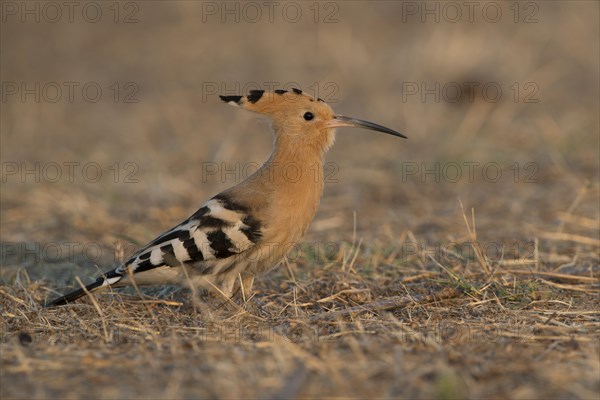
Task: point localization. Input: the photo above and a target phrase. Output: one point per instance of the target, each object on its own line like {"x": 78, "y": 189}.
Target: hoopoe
{"x": 247, "y": 229}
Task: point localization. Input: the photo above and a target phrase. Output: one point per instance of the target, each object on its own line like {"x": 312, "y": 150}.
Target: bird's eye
{"x": 308, "y": 116}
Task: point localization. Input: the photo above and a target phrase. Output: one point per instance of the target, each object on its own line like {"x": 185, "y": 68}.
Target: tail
{"x": 108, "y": 279}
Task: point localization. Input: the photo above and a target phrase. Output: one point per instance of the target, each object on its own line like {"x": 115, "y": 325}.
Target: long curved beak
{"x": 340, "y": 120}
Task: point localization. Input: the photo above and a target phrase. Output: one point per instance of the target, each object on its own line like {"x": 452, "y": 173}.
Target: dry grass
{"x": 404, "y": 287}
{"x": 333, "y": 332}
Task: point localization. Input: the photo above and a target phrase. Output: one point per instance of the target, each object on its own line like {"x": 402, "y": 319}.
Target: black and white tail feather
{"x": 208, "y": 243}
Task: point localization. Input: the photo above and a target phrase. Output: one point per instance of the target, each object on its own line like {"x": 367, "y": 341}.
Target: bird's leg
{"x": 239, "y": 287}
{"x": 226, "y": 287}
{"x": 247, "y": 282}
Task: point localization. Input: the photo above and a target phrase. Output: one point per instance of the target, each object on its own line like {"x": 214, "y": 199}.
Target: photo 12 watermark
{"x": 451, "y": 12}
{"x": 469, "y": 172}
{"x": 20, "y": 253}
{"x": 69, "y": 92}
{"x": 444, "y": 332}
{"x": 326, "y": 91}
{"x": 69, "y": 12}
{"x": 253, "y": 12}
{"x": 289, "y": 172}
{"x": 470, "y": 91}
{"x": 68, "y": 172}
{"x": 502, "y": 252}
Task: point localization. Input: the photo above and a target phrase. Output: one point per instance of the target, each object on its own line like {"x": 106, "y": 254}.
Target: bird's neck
{"x": 295, "y": 175}
{"x": 296, "y": 171}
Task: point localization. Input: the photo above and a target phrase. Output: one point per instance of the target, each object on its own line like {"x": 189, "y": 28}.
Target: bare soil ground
{"x": 414, "y": 281}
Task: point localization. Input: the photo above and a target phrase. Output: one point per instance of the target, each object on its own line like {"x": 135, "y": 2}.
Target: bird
{"x": 246, "y": 230}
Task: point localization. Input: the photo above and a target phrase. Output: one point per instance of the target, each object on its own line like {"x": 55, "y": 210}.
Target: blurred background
{"x": 111, "y": 126}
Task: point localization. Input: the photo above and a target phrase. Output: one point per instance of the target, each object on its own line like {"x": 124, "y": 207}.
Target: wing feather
{"x": 217, "y": 231}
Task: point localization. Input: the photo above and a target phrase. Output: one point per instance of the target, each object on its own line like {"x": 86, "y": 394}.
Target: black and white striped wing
{"x": 218, "y": 230}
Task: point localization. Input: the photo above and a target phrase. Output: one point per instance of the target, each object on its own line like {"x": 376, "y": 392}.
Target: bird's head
{"x": 299, "y": 119}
